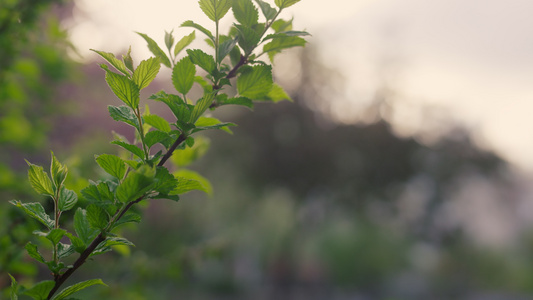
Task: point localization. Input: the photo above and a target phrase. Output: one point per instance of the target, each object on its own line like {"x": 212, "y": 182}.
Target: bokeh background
{"x": 402, "y": 170}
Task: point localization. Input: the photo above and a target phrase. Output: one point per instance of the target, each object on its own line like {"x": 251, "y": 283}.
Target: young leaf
{"x": 183, "y": 75}
{"x": 39, "y": 180}
{"x": 215, "y": 9}
{"x": 64, "y": 250}
{"x": 58, "y": 171}
{"x": 226, "y": 48}
{"x": 255, "y": 82}
{"x": 286, "y": 33}
{"x": 189, "y": 180}
{"x": 249, "y": 37}
{"x": 199, "y": 27}
{"x": 123, "y": 114}
{"x": 154, "y": 48}
{"x": 131, "y": 148}
{"x": 112, "y": 164}
{"x": 157, "y": 122}
{"x": 184, "y": 42}
{"x": 14, "y": 288}
{"x": 128, "y": 218}
{"x": 282, "y": 42}
{"x": 82, "y": 228}
{"x": 98, "y": 193}
{"x": 123, "y": 87}
{"x": 40, "y": 290}
{"x": 281, "y": 25}
{"x": 245, "y": 12}
{"x": 205, "y": 123}
{"x": 78, "y": 244}
{"x": 110, "y": 58}
{"x": 267, "y": 10}
{"x": 146, "y": 72}
{"x": 36, "y": 211}
{"x": 184, "y": 157}
{"x": 97, "y": 216}
{"x": 115, "y": 241}
{"x": 202, "y": 59}
{"x": 128, "y": 61}
{"x": 77, "y": 287}
{"x": 33, "y": 252}
{"x": 156, "y": 136}
{"x": 67, "y": 199}
{"x": 236, "y": 101}
{"x": 169, "y": 39}
{"x": 201, "y": 106}
{"x": 55, "y": 235}
{"x": 135, "y": 185}
{"x": 285, "y": 3}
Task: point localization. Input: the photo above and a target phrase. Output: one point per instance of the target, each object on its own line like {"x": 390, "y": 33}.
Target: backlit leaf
{"x": 58, "y": 171}
{"x": 135, "y": 185}
{"x": 156, "y": 136}
{"x": 112, "y": 164}
{"x": 97, "y": 216}
{"x": 115, "y": 62}
{"x": 131, "y": 148}
{"x": 267, "y": 10}
{"x": 157, "y": 122}
{"x": 285, "y": 3}
{"x": 189, "y": 180}
{"x": 183, "y": 75}
{"x": 123, "y": 114}
{"x": 169, "y": 39}
{"x": 282, "y": 42}
{"x": 199, "y": 27}
{"x": 55, "y": 235}
{"x": 201, "y": 106}
{"x": 82, "y": 228}
{"x": 184, "y": 42}
{"x": 255, "y": 82}
{"x": 215, "y": 9}
{"x": 34, "y": 253}
{"x": 39, "y": 180}
{"x": 36, "y": 211}
{"x": 146, "y": 72}
{"x": 202, "y": 59}
{"x": 124, "y": 88}
{"x": 245, "y": 12}
{"x": 40, "y": 290}
{"x": 155, "y": 49}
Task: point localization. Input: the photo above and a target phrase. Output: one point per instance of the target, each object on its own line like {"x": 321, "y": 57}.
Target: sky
{"x": 472, "y": 59}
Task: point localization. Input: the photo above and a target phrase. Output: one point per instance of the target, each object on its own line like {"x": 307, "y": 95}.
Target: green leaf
{"x": 112, "y": 164}
{"x": 33, "y": 252}
{"x": 205, "y": 123}
{"x": 36, "y": 211}
{"x": 40, "y": 290}
{"x": 226, "y": 48}
{"x": 189, "y": 180}
{"x": 55, "y": 235}
{"x": 136, "y": 184}
{"x": 286, "y": 33}
{"x": 202, "y": 59}
{"x": 58, "y": 171}
{"x": 128, "y": 218}
{"x": 164, "y": 181}
{"x": 156, "y": 136}
{"x": 285, "y": 3}
{"x": 267, "y": 10}
{"x": 67, "y": 199}
{"x": 39, "y": 180}
{"x": 281, "y": 25}
{"x": 157, "y": 122}
{"x": 201, "y": 106}
{"x": 110, "y": 58}
{"x": 77, "y": 287}
{"x": 183, "y": 75}
{"x": 235, "y": 56}
{"x": 115, "y": 241}
{"x": 245, "y": 12}
{"x": 215, "y": 9}
{"x": 97, "y": 216}
{"x": 82, "y": 227}
{"x": 78, "y": 244}
{"x": 175, "y": 103}
{"x": 282, "y": 42}
{"x": 249, "y": 37}
{"x": 123, "y": 114}
{"x": 199, "y": 27}
{"x": 65, "y": 250}
{"x": 14, "y": 288}
{"x": 146, "y": 72}
{"x": 255, "y": 82}
{"x": 131, "y": 148}
{"x": 186, "y": 156}
{"x": 154, "y": 48}
{"x": 98, "y": 193}
{"x": 169, "y": 39}
{"x": 237, "y": 101}
{"x": 184, "y": 42}
{"x": 124, "y": 88}
{"x": 128, "y": 61}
